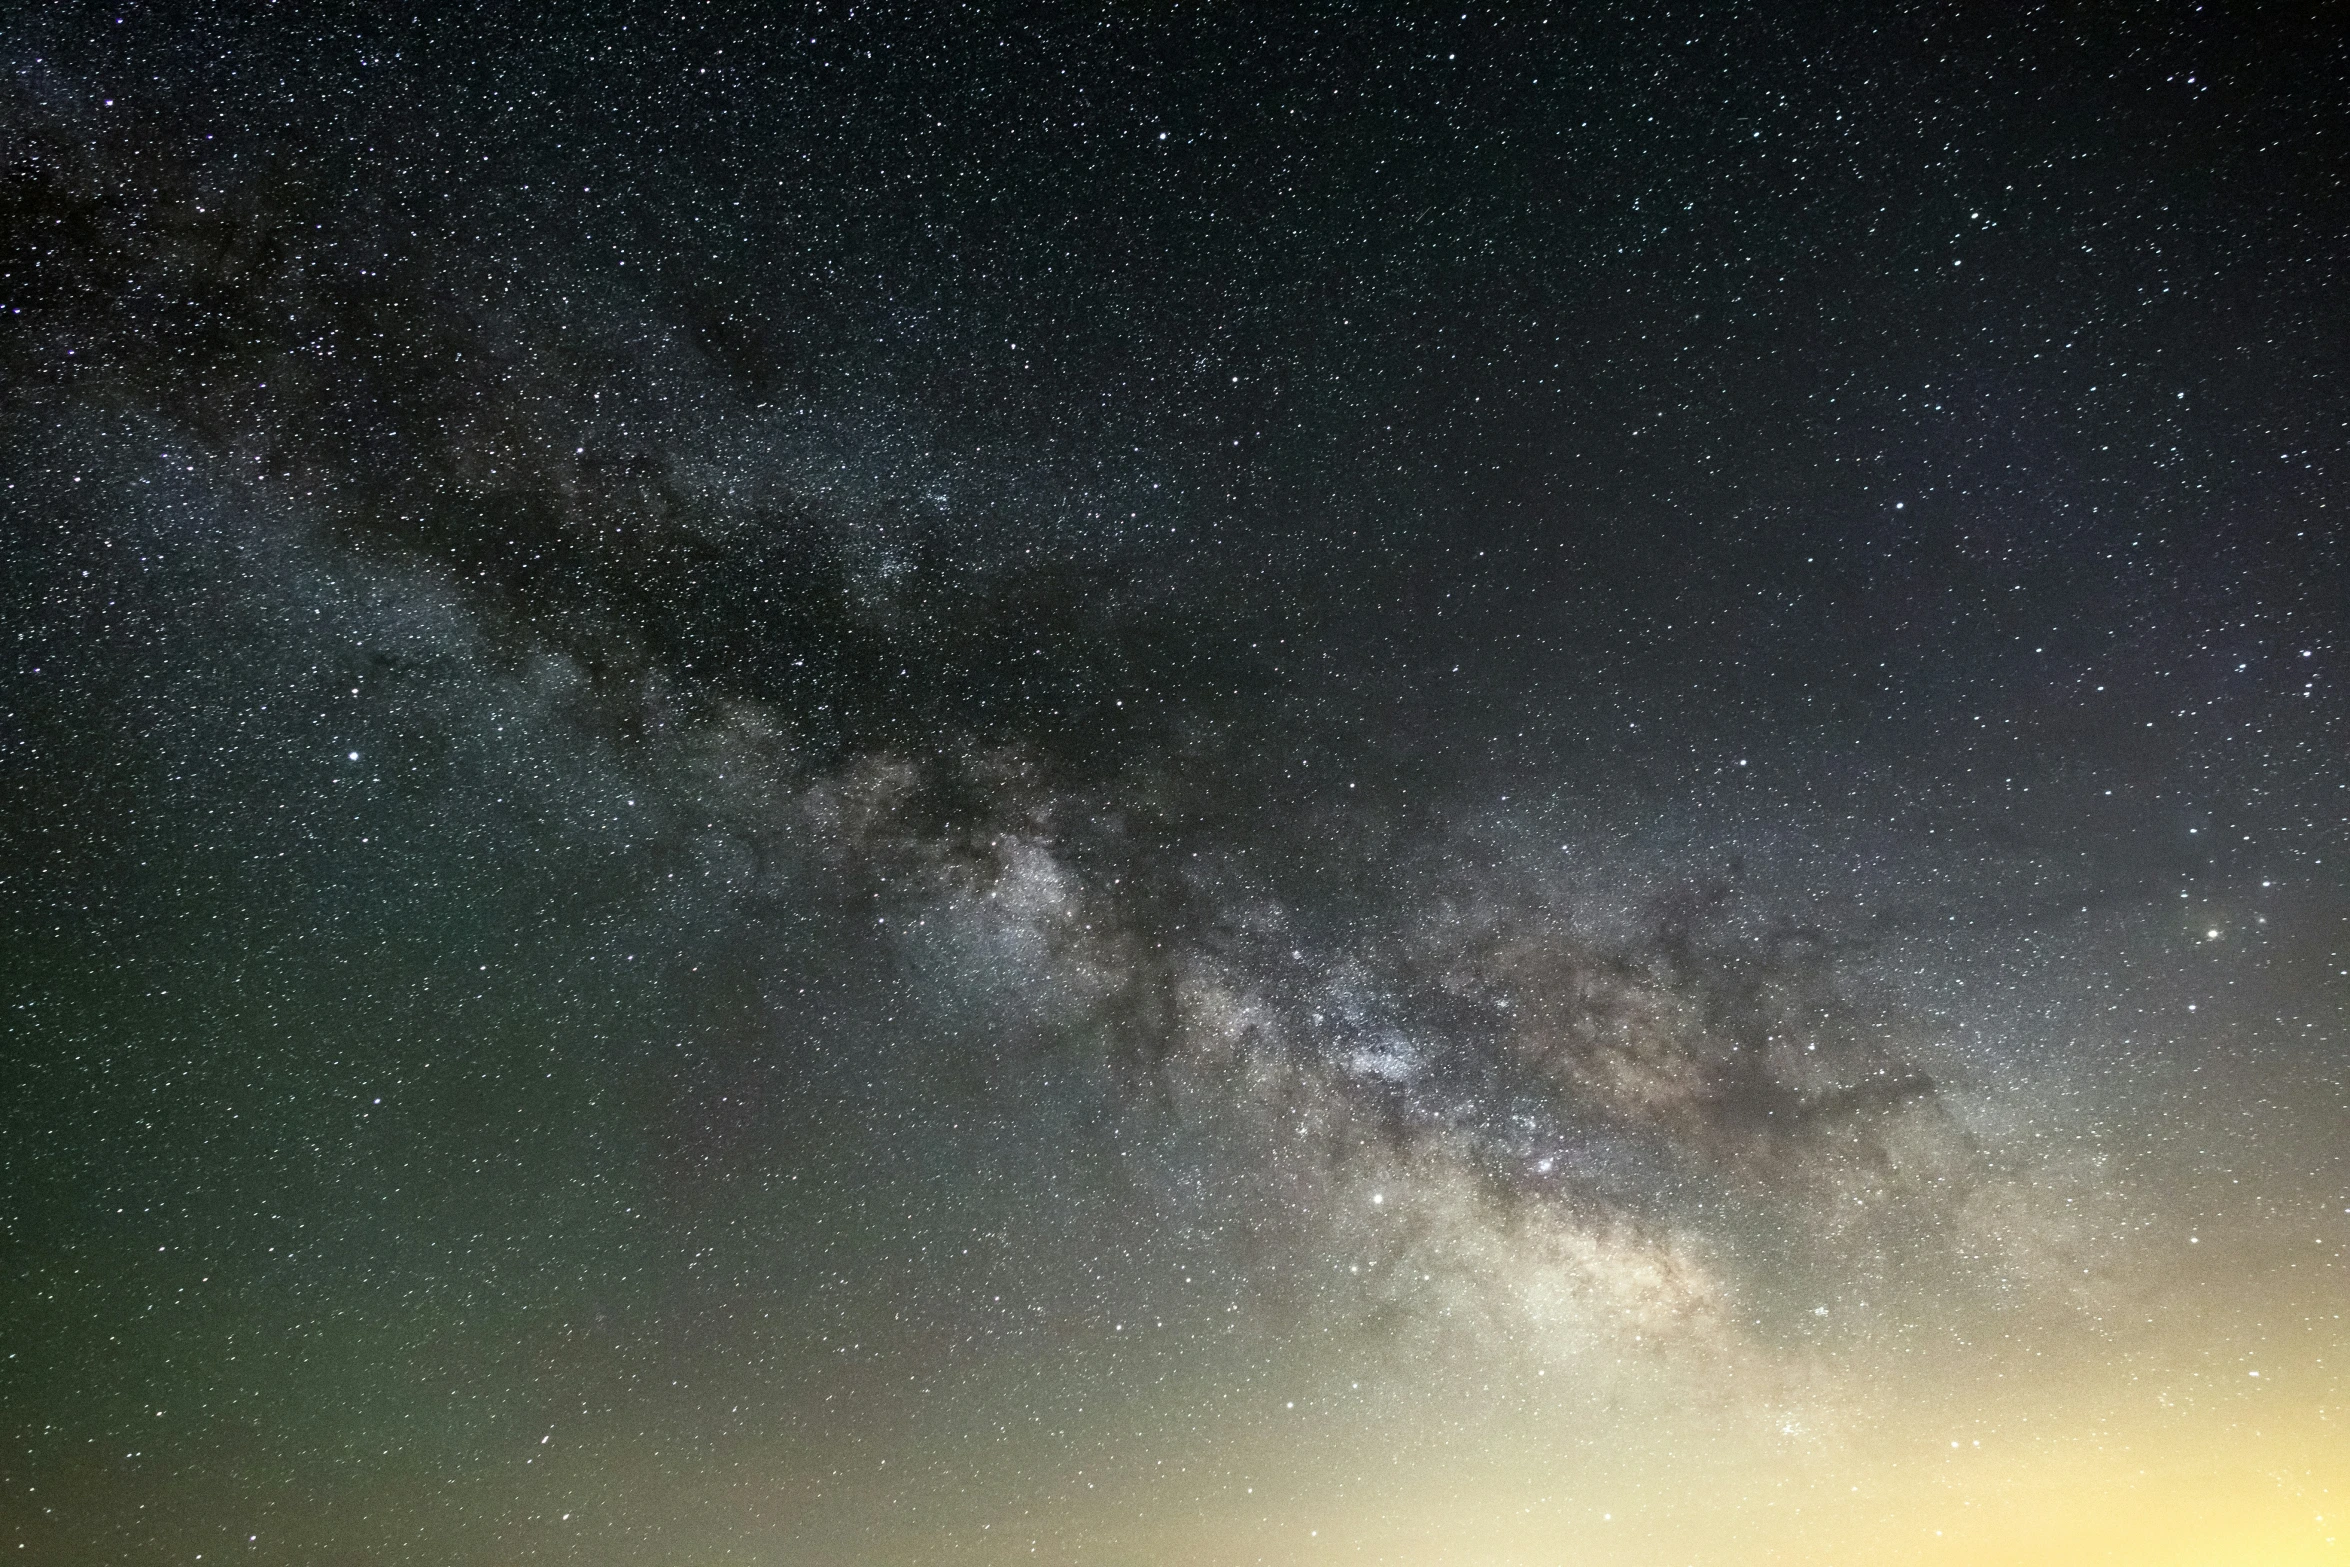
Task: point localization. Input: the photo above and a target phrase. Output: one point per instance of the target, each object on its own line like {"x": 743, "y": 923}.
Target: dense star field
{"x": 848, "y": 786}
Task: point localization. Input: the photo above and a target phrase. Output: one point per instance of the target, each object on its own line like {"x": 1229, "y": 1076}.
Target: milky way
{"x": 1171, "y": 788}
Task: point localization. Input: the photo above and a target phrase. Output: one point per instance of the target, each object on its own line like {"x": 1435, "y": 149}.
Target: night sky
{"x": 822, "y": 786}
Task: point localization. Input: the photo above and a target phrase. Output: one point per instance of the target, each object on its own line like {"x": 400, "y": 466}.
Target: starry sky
{"x": 1174, "y": 784}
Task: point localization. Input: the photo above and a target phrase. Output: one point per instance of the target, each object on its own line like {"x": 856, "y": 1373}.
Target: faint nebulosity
{"x": 841, "y": 785}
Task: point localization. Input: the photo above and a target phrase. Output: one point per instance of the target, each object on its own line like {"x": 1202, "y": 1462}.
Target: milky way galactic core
{"x": 1174, "y": 785}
